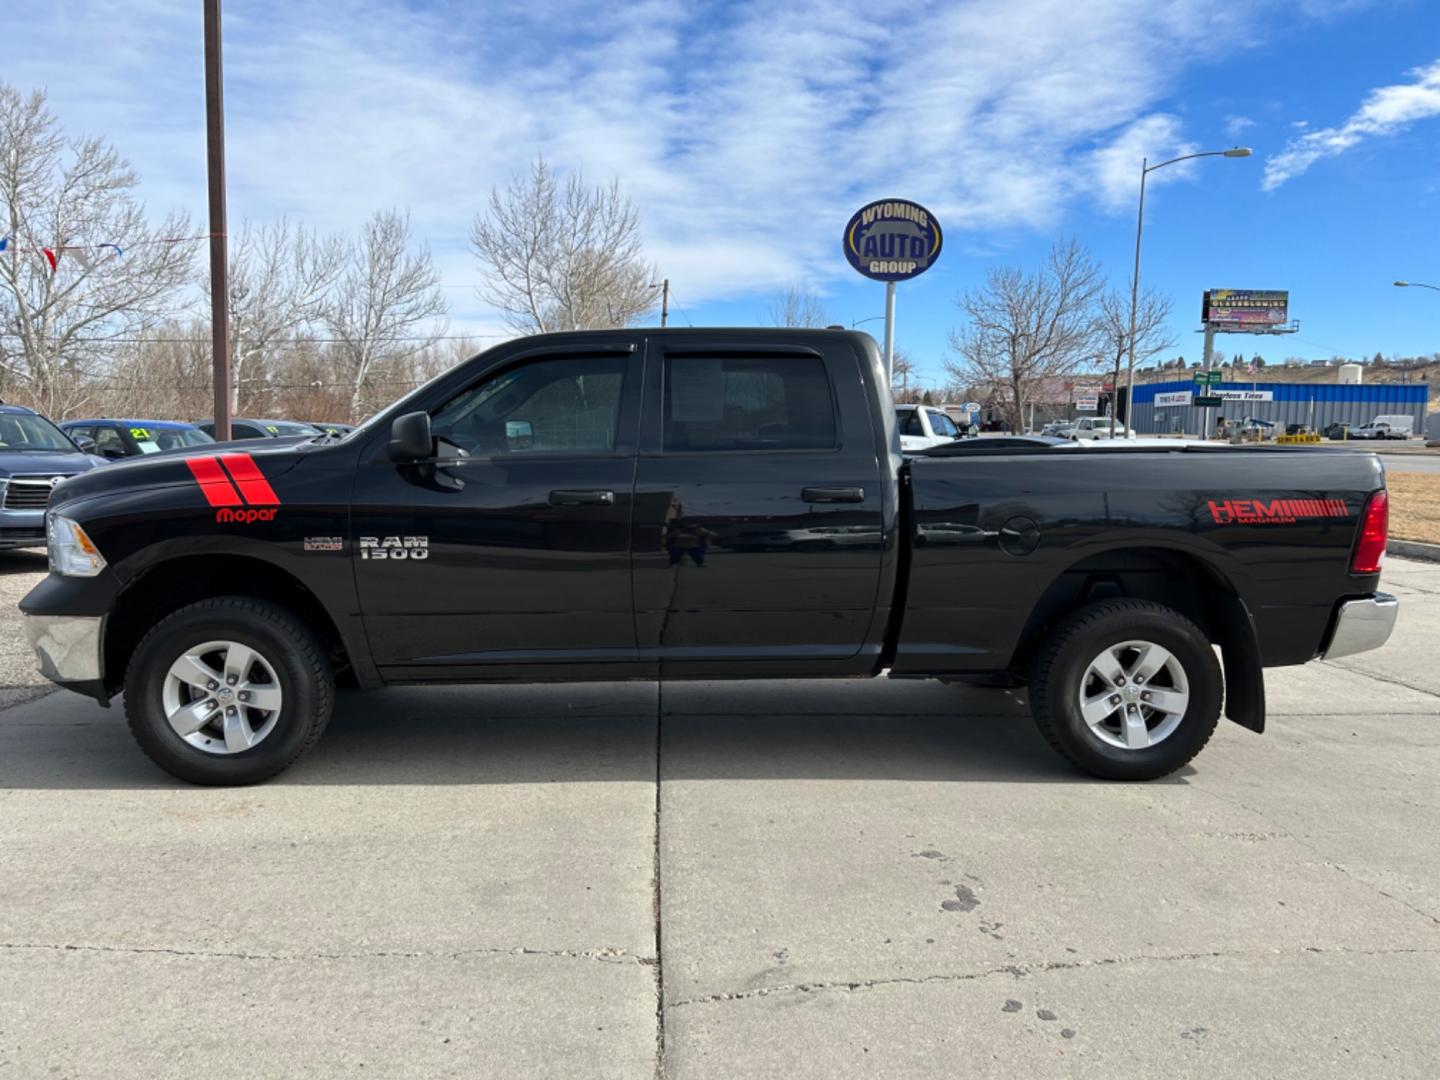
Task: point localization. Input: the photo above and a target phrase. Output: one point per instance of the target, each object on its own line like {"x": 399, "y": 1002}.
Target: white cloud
{"x": 1153, "y": 138}
{"x": 1385, "y": 111}
{"x": 1235, "y": 126}
{"x": 747, "y": 132}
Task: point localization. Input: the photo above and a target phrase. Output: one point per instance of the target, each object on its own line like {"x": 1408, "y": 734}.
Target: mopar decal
{"x": 245, "y": 515}
{"x": 394, "y": 547}
{"x": 234, "y": 480}
{"x": 1274, "y": 511}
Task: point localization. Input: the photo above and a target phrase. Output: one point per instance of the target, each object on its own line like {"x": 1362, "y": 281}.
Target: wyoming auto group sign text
{"x": 892, "y": 240}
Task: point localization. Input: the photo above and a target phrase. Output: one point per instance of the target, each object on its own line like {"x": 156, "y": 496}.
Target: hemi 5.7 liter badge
{"x": 394, "y": 547}
{"x": 234, "y": 484}
{"x": 1274, "y": 511}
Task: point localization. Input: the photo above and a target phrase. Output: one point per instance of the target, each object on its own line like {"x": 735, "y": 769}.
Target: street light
{"x": 1415, "y": 285}
{"x": 1145, "y": 170}
{"x": 872, "y": 318}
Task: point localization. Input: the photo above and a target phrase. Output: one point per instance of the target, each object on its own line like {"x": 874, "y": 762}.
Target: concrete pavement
{"x": 828, "y": 879}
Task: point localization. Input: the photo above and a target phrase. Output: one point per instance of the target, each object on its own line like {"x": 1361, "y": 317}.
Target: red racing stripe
{"x": 213, "y": 483}
{"x": 250, "y": 480}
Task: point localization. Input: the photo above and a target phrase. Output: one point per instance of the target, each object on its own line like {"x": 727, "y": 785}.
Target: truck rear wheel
{"x": 1127, "y": 690}
{"x": 228, "y": 691}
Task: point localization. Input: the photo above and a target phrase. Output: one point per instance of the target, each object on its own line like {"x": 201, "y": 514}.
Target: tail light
{"x": 1374, "y": 528}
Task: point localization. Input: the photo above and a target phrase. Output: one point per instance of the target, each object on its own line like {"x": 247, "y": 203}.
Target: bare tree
{"x": 798, "y": 307}
{"x": 562, "y": 257}
{"x": 1152, "y": 328}
{"x": 902, "y": 371}
{"x": 281, "y": 277}
{"x": 82, "y": 267}
{"x": 1027, "y": 328}
{"x": 388, "y": 304}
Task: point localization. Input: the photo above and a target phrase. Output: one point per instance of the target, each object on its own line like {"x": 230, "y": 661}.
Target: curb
{"x": 1413, "y": 549}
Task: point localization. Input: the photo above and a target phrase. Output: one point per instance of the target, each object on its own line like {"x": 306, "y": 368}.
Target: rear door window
{"x": 738, "y": 403}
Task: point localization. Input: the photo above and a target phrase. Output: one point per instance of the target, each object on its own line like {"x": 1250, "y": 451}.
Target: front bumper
{"x": 1362, "y": 625}
{"x": 70, "y": 651}
{"x": 22, "y": 528}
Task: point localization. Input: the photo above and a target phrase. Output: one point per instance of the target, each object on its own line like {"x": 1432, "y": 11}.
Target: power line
{"x": 278, "y": 344}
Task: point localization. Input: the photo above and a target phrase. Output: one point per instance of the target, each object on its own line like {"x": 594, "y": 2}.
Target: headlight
{"x": 72, "y": 553}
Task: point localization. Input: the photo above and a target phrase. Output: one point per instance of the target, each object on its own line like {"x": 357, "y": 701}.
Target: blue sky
{"x": 747, "y": 134}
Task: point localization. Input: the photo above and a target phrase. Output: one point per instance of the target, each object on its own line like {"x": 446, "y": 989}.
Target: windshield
{"x": 288, "y": 427}
{"x": 23, "y": 431}
{"x": 154, "y": 440}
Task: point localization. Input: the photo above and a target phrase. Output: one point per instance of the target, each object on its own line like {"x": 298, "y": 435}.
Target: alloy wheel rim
{"x": 1134, "y": 694}
{"x": 222, "y": 697}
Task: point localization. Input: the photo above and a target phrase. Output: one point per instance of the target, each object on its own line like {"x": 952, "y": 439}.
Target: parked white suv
{"x": 924, "y": 426}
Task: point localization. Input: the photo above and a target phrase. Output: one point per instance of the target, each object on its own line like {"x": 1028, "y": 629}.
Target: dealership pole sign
{"x": 892, "y": 240}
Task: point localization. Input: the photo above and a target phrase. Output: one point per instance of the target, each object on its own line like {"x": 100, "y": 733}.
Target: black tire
{"x": 286, "y": 644}
{"x": 1060, "y": 671}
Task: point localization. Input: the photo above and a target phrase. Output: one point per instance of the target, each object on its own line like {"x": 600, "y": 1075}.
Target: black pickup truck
{"x": 688, "y": 504}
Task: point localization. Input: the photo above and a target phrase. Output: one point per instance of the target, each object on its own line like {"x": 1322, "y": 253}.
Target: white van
{"x": 1396, "y": 426}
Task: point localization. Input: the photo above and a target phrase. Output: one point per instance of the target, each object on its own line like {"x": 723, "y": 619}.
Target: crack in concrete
{"x": 604, "y": 955}
{"x": 1384, "y": 679}
{"x": 1020, "y": 971}
{"x": 1325, "y": 860}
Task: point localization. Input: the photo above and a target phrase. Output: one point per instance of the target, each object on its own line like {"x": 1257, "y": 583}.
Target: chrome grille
{"x": 31, "y": 492}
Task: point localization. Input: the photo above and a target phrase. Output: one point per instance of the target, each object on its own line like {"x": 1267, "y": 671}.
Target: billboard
{"x": 1172, "y": 397}
{"x": 1241, "y": 308}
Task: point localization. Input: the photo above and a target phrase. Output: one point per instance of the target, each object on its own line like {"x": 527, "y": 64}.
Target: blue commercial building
{"x": 1168, "y": 406}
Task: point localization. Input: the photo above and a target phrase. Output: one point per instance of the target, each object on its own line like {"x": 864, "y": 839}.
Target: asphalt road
{"x": 1417, "y": 463}
{"x": 854, "y": 879}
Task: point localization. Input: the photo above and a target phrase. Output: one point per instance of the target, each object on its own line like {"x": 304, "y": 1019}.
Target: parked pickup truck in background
{"x": 685, "y": 504}
{"x": 924, "y": 426}
{"x": 1399, "y": 426}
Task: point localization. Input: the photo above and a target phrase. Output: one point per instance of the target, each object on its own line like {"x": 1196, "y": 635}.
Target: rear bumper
{"x": 1362, "y": 625}
{"x": 69, "y": 651}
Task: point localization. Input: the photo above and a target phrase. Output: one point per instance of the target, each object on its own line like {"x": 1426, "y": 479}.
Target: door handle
{"x": 833, "y": 494}
{"x": 582, "y": 498}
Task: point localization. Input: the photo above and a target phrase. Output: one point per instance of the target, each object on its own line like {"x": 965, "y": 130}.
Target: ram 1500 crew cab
{"x": 685, "y": 504}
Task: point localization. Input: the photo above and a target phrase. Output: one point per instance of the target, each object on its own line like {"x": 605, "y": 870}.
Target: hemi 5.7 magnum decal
{"x": 1274, "y": 511}
{"x": 234, "y": 484}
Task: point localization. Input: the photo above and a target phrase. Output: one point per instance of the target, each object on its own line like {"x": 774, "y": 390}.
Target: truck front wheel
{"x": 1127, "y": 690}
{"x": 228, "y": 691}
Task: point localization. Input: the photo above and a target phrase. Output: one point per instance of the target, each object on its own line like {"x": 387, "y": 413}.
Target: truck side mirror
{"x": 410, "y": 438}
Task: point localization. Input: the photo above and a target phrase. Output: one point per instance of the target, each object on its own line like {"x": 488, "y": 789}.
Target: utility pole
{"x": 1204, "y": 431}
{"x": 219, "y": 264}
{"x": 665, "y": 302}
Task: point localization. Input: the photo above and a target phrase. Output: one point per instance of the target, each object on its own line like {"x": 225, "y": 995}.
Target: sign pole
{"x": 891, "y": 240}
{"x": 889, "y": 331}
{"x": 1204, "y": 432}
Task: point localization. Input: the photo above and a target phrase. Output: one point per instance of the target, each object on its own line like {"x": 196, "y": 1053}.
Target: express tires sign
{"x": 892, "y": 240}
